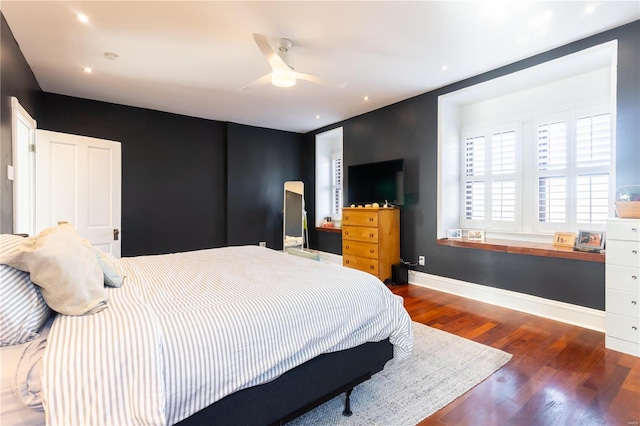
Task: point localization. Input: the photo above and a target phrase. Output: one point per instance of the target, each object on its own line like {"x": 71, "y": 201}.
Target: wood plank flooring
{"x": 559, "y": 374}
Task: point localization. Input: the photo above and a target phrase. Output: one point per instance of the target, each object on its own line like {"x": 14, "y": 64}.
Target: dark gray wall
{"x": 16, "y": 79}
{"x": 173, "y": 171}
{"x": 408, "y": 130}
{"x": 259, "y": 162}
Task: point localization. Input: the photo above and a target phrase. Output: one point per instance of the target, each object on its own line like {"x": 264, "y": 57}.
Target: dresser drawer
{"x": 361, "y": 263}
{"x": 624, "y": 253}
{"x": 622, "y": 303}
{"x": 625, "y": 278}
{"x": 623, "y": 229}
{"x": 621, "y": 327}
{"x": 360, "y": 233}
{"x": 359, "y": 248}
{"x": 364, "y": 217}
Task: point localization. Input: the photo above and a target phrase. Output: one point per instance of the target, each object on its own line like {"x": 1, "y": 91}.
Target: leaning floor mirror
{"x": 293, "y": 222}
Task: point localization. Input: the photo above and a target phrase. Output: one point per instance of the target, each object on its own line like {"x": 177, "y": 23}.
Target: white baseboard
{"x": 328, "y": 257}
{"x": 581, "y": 316}
{"x": 592, "y": 319}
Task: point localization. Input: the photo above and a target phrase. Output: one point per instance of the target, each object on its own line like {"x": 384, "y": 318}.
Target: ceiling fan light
{"x": 283, "y": 78}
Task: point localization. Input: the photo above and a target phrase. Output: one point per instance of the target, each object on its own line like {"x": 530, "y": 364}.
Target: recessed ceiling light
{"x": 590, "y": 9}
{"x": 110, "y": 56}
{"x": 82, "y": 18}
{"x": 366, "y": 98}
{"x": 443, "y": 67}
{"x": 317, "y": 116}
{"x": 88, "y": 70}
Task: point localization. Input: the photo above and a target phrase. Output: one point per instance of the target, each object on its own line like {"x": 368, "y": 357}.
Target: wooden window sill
{"x": 334, "y": 230}
{"x": 524, "y": 247}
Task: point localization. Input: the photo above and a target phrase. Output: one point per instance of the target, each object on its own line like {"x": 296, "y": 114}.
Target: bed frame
{"x": 298, "y": 390}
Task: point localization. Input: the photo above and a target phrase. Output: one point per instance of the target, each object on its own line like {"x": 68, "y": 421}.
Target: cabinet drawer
{"x": 625, "y": 328}
{"x": 622, "y": 303}
{"x": 359, "y": 248}
{"x": 625, "y": 278}
{"x": 360, "y": 233}
{"x": 363, "y": 217}
{"x": 624, "y": 253}
{"x": 623, "y": 229}
{"x": 361, "y": 263}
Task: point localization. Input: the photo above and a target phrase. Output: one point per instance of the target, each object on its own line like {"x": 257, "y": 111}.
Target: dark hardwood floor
{"x": 559, "y": 374}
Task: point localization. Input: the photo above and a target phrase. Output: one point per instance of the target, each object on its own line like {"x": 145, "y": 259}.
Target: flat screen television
{"x": 376, "y": 183}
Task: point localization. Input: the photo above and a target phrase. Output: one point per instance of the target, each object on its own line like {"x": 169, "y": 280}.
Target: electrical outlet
{"x": 421, "y": 260}
{"x": 262, "y": 244}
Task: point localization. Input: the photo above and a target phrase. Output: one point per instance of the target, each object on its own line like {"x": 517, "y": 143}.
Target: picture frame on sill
{"x": 454, "y": 234}
{"x": 591, "y": 241}
{"x": 475, "y": 235}
{"x": 564, "y": 239}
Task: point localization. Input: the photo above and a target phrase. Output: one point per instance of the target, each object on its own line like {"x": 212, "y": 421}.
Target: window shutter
{"x": 474, "y": 200}
{"x": 593, "y": 141}
{"x": 593, "y": 198}
{"x": 336, "y": 185}
{"x": 552, "y": 146}
{"x": 475, "y": 156}
{"x": 503, "y": 152}
{"x": 552, "y": 199}
{"x": 503, "y": 200}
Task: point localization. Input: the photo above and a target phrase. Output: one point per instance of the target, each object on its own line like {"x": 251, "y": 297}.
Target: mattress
{"x": 187, "y": 329}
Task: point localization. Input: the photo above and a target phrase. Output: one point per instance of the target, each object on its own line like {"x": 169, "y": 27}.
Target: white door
{"x": 78, "y": 180}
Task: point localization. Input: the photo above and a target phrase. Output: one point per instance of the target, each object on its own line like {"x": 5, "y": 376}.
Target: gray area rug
{"x": 441, "y": 367}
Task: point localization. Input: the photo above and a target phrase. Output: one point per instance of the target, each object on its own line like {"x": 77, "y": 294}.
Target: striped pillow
{"x": 23, "y": 310}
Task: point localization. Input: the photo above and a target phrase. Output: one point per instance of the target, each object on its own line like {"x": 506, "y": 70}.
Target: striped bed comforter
{"x": 187, "y": 329}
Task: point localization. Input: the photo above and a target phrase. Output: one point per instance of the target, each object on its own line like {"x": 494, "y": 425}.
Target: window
{"x": 532, "y": 152}
{"x": 489, "y": 180}
{"x": 573, "y": 168}
{"x": 336, "y": 184}
{"x": 329, "y": 168}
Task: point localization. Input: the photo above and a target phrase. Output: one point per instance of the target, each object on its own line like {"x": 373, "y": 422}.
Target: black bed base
{"x": 298, "y": 390}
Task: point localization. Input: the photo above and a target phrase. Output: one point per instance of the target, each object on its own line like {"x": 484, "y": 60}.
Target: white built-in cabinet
{"x": 623, "y": 285}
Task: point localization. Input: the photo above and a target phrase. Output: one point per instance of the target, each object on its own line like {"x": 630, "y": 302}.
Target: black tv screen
{"x": 376, "y": 183}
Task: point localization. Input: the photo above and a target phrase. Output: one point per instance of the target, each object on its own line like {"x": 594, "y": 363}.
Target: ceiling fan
{"x": 282, "y": 73}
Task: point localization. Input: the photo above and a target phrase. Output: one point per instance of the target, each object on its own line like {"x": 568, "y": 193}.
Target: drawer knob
{"x": 370, "y": 219}
{"x": 634, "y": 277}
{"x": 371, "y": 234}
{"x": 634, "y": 251}
{"x": 634, "y": 328}
{"x": 634, "y": 229}
{"x": 346, "y": 261}
{"x": 371, "y": 267}
{"x": 346, "y": 232}
{"x": 346, "y": 218}
{"x": 371, "y": 250}
{"x": 633, "y": 302}
{"x": 347, "y": 247}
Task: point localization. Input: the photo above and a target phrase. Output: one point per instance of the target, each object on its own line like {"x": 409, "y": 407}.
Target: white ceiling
{"x": 191, "y": 57}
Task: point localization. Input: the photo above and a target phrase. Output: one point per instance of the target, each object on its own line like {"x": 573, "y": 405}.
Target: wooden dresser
{"x": 371, "y": 239}
{"x": 623, "y": 286}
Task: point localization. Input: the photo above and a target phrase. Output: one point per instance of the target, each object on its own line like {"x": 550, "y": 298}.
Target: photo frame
{"x": 590, "y": 241}
{"x": 454, "y": 234}
{"x": 564, "y": 239}
{"x": 475, "y": 235}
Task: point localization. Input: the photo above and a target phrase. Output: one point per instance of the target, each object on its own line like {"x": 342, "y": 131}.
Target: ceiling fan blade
{"x": 276, "y": 62}
{"x": 265, "y": 79}
{"x": 318, "y": 80}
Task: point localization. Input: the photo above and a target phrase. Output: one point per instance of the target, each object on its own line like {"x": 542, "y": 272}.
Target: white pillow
{"x": 23, "y": 311}
{"x": 112, "y": 278}
{"x": 66, "y": 269}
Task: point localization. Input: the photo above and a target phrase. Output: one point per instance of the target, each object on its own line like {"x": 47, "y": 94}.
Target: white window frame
{"x": 328, "y": 147}
{"x": 24, "y": 169}
{"x": 336, "y": 185}
{"x": 480, "y": 103}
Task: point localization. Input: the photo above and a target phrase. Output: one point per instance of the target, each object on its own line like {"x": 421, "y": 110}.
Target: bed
{"x": 234, "y": 335}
